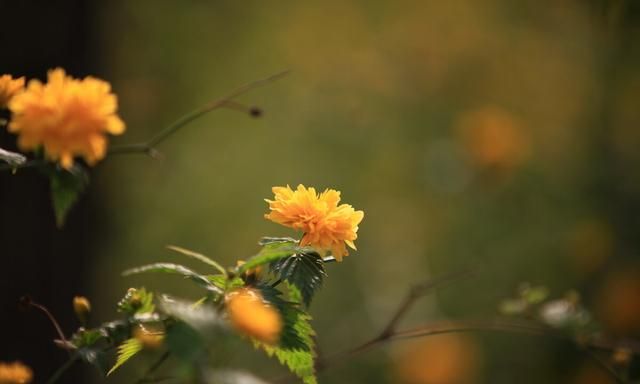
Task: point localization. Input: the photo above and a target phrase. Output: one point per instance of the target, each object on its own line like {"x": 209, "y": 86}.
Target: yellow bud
{"x": 252, "y": 316}
{"x": 82, "y": 308}
{"x": 149, "y": 338}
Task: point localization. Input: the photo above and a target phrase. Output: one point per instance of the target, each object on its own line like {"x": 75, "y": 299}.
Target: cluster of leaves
{"x": 286, "y": 275}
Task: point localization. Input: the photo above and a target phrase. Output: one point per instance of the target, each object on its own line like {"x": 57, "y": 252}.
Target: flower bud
{"x": 82, "y": 308}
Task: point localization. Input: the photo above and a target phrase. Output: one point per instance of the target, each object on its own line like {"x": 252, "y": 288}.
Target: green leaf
{"x": 116, "y": 331}
{"x": 270, "y": 253}
{"x": 296, "y": 348}
{"x": 268, "y": 240}
{"x": 87, "y": 337}
{"x": 126, "y": 351}
{"x": 95, "y": 357}
{"x": 184, "y": 342}
{"x": 137, "y": 302}
{"x": 304, "y": 271}
{"x": 175, "y": 269}
{"x": 66, "y": 187}
{"x": 199, "y": 257}
{"x": 201, "y": 317}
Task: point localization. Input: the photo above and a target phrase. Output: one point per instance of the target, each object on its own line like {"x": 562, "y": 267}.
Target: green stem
{"x": 57, "y": 374}
{"x": 227, "y": 101}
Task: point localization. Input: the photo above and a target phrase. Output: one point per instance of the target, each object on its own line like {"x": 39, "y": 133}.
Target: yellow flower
{"x": 67, "y": 116}
{"x": 15, "y": 373}
{"x": 8, "y": 88}
{"x": 251, "y": 315}
{"x": 326, "y": 225}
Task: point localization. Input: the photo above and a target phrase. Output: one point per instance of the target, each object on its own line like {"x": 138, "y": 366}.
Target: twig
{"x": 416, "y": 292}
{"x": 57, "y": 374}
{"x": 26, "y": 164}
{"x": 391, "y": 333}
{"x": 605, "y": 366}
{"x": 145, "y": 378}
{"x": 148, "y": 147}
{"x": 496, "y": 325}
{"x": 27, "y": 301}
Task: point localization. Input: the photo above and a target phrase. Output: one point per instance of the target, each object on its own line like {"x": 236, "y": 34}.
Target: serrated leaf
{"x": 270, "y": 253}
{"x": 198, "y": 256}
{"x": 137, "y": 302}
{"x": 296, "y": 348}
{"x": 304, "y": 271}
{"x": 66, "y": 187}
{"x": 126, "y": 350}
{"x": 87, "y": 337}
{"x": 175, "y": 269}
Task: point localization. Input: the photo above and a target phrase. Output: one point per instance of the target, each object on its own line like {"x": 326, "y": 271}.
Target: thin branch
{"x": 145, "y": 378}
{"x": 418, "y": 291}
{"x": 391, "y": 333}
{"x": 496, "y": 325}
{"x": 605, "y": 366}
{"x": 26, "y": 164}
{"x": 57, "y": 374}
{"x": 29, "y": 302}
{"x": 148, "y": 147}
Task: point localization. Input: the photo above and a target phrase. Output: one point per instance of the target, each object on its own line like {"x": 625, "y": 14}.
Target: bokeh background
{"x": 495, "y": 135}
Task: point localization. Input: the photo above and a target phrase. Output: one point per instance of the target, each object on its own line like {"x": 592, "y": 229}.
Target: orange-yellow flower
{"x": 8, "y": 88}
{"x": 15, "y": 373}
{"x": 326, "y": 225}
{"x": 149, "y": 338}
{"x": 68, "y": 117}
{"x": 251, "y": 315}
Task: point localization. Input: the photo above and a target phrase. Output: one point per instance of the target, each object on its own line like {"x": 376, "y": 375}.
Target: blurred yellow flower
{"x": 326, "y": 225}
{"x": 15, "y": 373}
{"x": 67, "y": 116}
{"x": 149, "y": 337}
{"x": 617, "y": 306}
{"x": 441, "y": 359}
{"x": 493, "y": 138}
{"x": 8, "y": 88}
{"x": 251, "y": 315}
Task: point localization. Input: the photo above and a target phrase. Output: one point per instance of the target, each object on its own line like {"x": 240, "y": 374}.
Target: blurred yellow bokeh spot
{"x": 442, "y": 359}
{"x": 493, "y": 138}
{"x": 618, "y": 301}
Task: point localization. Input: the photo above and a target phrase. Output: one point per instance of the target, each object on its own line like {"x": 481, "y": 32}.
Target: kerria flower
{"x": 66, "y": 116}
{"x": 326, "y": 225}
{"x": 251, "y": 315}
{"x": 15, "y": 373}
{"x": 8, "y": 88}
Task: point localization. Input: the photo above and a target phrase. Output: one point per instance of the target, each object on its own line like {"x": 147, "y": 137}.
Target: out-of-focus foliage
{"x": 496, "y": 134}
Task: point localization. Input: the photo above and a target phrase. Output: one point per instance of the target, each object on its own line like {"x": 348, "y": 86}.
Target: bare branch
{"x": 148, "y": 147}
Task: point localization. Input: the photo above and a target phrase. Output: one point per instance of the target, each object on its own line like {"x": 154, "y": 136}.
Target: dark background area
{"x": 39, "y": 259}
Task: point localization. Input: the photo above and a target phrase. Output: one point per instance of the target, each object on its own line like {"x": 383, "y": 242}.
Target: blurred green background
{"x": 493, "y": 134}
